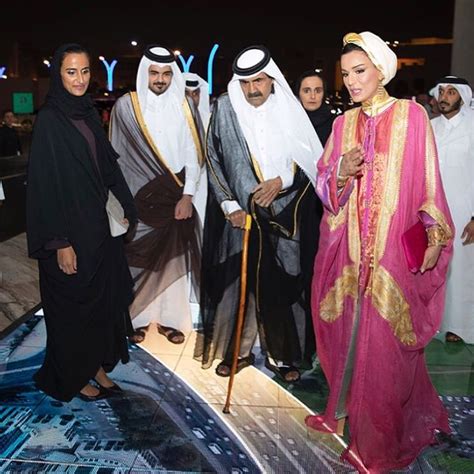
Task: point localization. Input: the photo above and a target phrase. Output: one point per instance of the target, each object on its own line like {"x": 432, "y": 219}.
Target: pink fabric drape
{"x": 360, "y": 269}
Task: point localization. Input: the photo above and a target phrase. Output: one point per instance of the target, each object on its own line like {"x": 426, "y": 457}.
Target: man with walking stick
{"x": 262, "y": 154}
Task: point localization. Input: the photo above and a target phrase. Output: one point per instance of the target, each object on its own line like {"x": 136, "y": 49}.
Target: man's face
{"x": 9, "y": 119}
{"x": 449, "y": 101}
{"x": 159, "y": 78}
{"x": 257, "y": 89}
{"x": 195, "y": 95}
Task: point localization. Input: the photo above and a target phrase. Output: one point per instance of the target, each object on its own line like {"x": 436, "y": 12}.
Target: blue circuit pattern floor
{"x": 162, "y": 425}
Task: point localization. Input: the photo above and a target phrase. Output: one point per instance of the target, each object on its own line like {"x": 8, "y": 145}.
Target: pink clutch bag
{"x": 415, "y": 243}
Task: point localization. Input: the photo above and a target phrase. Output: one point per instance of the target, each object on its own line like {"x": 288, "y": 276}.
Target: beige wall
{"x": 462, "y": 62}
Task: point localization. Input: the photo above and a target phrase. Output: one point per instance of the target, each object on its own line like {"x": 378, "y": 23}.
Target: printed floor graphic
{"x": 170, "y": 418}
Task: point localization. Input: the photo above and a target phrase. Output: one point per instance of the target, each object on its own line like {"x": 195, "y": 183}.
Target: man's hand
{"x": 352, "y": 163}
{"x": 237, "y": 218}
{"x": 265, "y": 192}
{"x": 468, "y": 233}
{"x": 67, "y": 260}
{"x": 184, "y": 208}
{"x": 431, "y": 258}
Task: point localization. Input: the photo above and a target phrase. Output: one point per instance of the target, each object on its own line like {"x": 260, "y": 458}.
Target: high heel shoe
{"x": 319, "y": 423}
{"x": 92, "y": 398}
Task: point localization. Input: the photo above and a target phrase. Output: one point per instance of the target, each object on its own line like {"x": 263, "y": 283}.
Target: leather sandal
{"x": 173, "y": 335}
{"x": 138, "y": 336}
{"x": 284, "y": 371}
{"x": 451, "y": 337}
{"x": 223, "y": 369}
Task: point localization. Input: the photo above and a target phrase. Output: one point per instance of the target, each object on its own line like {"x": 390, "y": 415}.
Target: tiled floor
{"x": 170, "y": 417}
{"x": 19, "y": 289}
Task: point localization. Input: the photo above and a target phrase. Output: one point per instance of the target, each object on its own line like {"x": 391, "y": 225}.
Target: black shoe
{"x": 92, "y": 398}
{"x": 113, "y": 389}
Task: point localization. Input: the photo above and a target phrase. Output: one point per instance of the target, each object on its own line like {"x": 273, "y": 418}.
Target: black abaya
{"x": 86, "y": 313}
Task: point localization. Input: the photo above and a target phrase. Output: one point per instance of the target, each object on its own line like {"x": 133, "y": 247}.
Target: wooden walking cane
{"x": 241, "y": 313}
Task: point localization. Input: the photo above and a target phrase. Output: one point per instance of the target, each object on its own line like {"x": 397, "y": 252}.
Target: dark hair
{"x": 310, "y": 73}
{"x": 351, "y": 47}
{"x": 6, "y": 112}
{"x": 77, "y": 49}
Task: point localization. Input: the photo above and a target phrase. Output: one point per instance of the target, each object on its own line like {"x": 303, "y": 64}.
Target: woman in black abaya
{"x": 310, "y": 89}
{"x": 85, "y": 283}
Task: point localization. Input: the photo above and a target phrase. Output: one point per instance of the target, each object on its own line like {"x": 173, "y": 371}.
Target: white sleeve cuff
{"x": 2, "y": 194}
{"x": 228, "y": 207}
{"x": 339, "y": 166}
{"x": 286, "y": 179}
{"x": 189, "y": 187}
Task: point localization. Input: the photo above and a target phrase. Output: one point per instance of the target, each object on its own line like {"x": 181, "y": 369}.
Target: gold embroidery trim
{"x": 394, "y": 169}
{"x": 149, "y": 139}
{"x": 436, "y": 236}
{"x": 256, "y": 168}
{"x": 194, "y": 132}
{"x": 350, "y": 129}
{"x": 260, "y": 245}
{"x": 328, "y": 150}
{"x": 332, "y": 306}
{"x": 218, "y": 181}
{"x": 348, "y": 142}
{"x": 287, "y": 232}
{"x": 336, "y": 220}
{"x": 353, "y": 230}
{"x": 431, "y": 209}
{"x": 430, "y": 168}
{"x": 388, "y": 300}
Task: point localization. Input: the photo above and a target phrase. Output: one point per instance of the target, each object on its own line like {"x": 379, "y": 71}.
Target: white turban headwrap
{"x": 383, "y": 58}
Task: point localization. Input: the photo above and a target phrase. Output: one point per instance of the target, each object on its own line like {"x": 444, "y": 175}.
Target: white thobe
{"x": 172, "y": 136}
{"x": 455, "y": 143}
{"x": 269, "y": 147}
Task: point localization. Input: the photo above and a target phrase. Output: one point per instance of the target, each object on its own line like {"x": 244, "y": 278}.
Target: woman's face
{"x": 360, "y": 76}
{"x": 311, "y": 93}
{"x": 76, "y": 73}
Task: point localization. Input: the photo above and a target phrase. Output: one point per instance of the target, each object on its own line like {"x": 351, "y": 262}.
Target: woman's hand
{"x": 67, "y": 260}
{"x": 352, "y": 163}
{"x": 431, "y": 258}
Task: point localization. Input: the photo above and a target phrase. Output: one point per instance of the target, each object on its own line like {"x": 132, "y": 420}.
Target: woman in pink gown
{"x": 373, "y": 317}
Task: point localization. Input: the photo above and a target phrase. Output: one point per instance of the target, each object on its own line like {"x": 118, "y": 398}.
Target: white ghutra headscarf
{"x": 305, "y": 144}
{"x": 461, "y": 85}
{"x": 193, "y": 82}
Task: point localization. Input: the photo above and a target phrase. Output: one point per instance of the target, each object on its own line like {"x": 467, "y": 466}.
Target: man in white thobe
{"x": 156, "y": 137}
{"x": 454, "y": 134}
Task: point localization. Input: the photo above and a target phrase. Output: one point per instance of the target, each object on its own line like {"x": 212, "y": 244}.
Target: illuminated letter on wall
{"x": 210, "y": 63}
{"x": 110, "y": 73}
{"x": 186, "y": 64}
